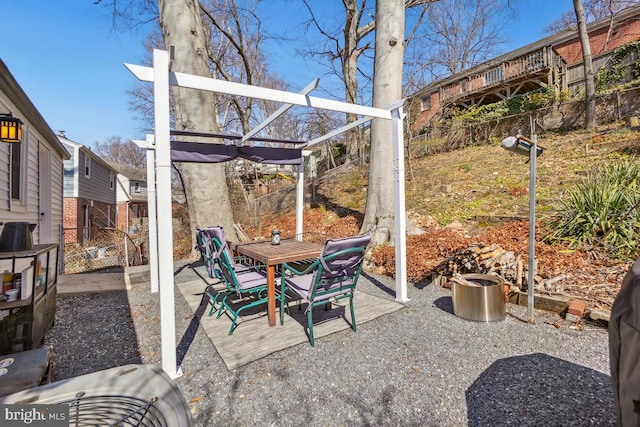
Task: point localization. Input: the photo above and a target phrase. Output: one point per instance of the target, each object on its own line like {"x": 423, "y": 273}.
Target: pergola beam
{"x": 339, "y": 131}
{"x": 280, "y": 111}
{"x": 239, "y": 89}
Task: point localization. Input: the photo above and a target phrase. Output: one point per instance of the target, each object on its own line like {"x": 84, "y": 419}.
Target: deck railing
{"x": 530, "y": 63}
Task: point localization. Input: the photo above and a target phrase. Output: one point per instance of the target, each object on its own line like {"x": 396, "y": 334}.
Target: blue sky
{"x": 69, "y": 62}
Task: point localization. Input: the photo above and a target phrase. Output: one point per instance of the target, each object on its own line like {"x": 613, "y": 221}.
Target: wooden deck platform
{"x": 253, "y": 339}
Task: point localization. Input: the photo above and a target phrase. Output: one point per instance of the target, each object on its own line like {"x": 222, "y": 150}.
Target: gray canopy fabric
{"x": 195, "y": 152}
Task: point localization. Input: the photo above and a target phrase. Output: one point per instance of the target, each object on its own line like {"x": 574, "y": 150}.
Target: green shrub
{"x": 516, "y": 104}
{"x": 615, "y": 75}
{"x": 338, "y": 150}
{"x": 602, "y": 211}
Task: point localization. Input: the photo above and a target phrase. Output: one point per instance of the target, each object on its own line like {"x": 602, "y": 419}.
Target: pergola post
{"x": 300, "y": 194}
{"x": 399, "y": 204}
{"x": 165, "y": 245}
{"x": 151, "y": 203}
{"x": 149, "y": 146}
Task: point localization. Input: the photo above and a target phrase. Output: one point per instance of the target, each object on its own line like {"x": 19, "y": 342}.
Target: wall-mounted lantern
{"x": 528, "y": 147}
{"x": 10, "y": 128}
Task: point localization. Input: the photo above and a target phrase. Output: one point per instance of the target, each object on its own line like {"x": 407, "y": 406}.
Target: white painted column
{"x": 165, "y": 226}
{"x": 399, "y": 205}
{"x": 151, "y": 202}
{"x": 300, "y": 194}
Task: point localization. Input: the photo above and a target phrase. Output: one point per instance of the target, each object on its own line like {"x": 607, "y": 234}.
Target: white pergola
{"x": 159, "y": 175}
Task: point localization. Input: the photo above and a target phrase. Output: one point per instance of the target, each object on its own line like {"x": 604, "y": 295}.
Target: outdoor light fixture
{"x": 10, "y": 128}
{"x": 528, "y": 147}
{"x": 521, "y": 145}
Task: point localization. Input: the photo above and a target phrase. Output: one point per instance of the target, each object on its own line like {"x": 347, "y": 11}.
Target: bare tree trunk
{"x": 589, "y": 81}
{"x": 387, "y": 89}
{"x": 205, "y": 185}
{"x": 350, "y": 55}
{"x": 348, "y": 52}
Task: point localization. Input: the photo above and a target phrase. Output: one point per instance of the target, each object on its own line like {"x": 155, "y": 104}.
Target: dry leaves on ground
{"x": 592, "y": 278}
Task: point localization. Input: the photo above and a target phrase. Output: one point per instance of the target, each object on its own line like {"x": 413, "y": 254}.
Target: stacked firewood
{"x": 485, "y": 259}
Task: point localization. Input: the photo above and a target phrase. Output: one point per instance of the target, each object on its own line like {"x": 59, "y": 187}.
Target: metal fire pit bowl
{"x": 482, "y": 300}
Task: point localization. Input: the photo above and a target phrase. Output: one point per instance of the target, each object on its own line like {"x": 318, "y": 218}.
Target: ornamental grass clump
{"x": 602, "y": 211}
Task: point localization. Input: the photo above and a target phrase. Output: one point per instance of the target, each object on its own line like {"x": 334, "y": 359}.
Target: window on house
{"x": 16, "y": 168}
{"x": 425, "y": 103}
{"x": 87, "y": 166}
{"x": 85, "y": 216}
{"x": 136, "y": 187}
{"x": 111, "y": 180}
{"x": 18, "y": 161}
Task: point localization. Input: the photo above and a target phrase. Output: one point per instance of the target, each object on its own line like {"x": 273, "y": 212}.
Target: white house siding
{"x": 4, "y": 180}
{"x": 30, "y": 213}
{"x": 122, "y": 189}
{"x": 33, "y": 205}
{"x": 142, "y": 192}
{"x": 70, "y": 172}
{"x": 56, "y": 202}
{"x": 36, "y": 135}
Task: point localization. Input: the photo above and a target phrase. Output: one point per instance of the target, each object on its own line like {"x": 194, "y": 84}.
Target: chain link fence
{"x": 105, "y": 249}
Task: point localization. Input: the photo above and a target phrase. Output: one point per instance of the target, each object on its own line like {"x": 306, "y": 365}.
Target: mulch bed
{"x": 590, "y": 276}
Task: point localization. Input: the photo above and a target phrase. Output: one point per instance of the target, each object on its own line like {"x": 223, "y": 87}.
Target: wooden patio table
{"x": 289, "y": 250}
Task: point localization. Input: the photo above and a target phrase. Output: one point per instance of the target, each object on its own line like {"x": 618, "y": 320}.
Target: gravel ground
{"x": 421, "y": 365}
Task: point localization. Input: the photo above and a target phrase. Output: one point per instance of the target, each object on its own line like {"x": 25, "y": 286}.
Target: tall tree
{"x": 231, "y": 39}
{"x": 347, "y": 46}
{"x": 589, "y": 10}
{"x": 235, "y": 55}
{"x": 127, "y": 153}
{"x": 387, "y": 89}
{"x": 347, "y": 49}
{"x": 593, "y": 10}
{"x": 462, "y": 33}
{"x": 205, "y": 185}
{"x": 589, "y": 76}
{"x": 453, "y": 35}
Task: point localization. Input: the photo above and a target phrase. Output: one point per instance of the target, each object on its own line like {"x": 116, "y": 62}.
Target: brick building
{"x": 131, "y": 197}
{"x": 555, "y": 61}
{"x": 89, "y": 192}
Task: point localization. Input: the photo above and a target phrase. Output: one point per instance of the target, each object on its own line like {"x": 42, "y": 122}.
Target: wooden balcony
{"x": 503, "y": 80}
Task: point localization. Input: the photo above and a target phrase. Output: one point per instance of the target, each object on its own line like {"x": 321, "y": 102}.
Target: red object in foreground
{"x": 577, "y": 307}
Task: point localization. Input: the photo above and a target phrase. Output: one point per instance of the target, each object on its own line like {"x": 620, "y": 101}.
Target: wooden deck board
{"x": 253, "y": 339}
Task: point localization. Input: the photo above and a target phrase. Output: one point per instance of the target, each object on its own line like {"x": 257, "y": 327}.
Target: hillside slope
{"x": 481, "y": 194}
